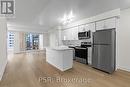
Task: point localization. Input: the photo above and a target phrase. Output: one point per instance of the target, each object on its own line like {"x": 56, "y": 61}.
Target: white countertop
{"x": 60, "y": 57}
{"x": 62, "y": 48}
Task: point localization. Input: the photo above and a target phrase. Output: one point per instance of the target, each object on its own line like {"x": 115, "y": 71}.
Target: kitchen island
{"x": 60, "y": 57}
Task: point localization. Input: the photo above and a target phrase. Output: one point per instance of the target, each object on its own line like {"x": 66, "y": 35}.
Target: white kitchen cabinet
{"x": 60, "y": 57}
{"x": 70, "y": 34}
{"x": 87, "y": 27}
{"x": 90, "y": 55}
{"x": 64, "y": 35}
{"x": 110, "y": 23}
{"x": 81, "y": 28}
{"x": 90, "y": 26}
{"x": 74, "y": 33}
{"x": 106, "y": 24}
{"x": 100, "y": 25}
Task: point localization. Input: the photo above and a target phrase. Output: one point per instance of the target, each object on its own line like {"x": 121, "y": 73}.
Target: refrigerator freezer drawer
{"x": 103, "y": 58}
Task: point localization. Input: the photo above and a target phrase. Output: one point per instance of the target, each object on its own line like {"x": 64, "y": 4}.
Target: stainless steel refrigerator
{"x": 104, "y": 50}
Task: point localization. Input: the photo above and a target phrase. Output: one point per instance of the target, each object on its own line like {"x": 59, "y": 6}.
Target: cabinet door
{"x": 110, "y": 23}
{"x": 87, "y": 27}
{"x": 69, "y": 34}
{"x": 90, "y": 55}
{"x": 106, "y": 24}
{"x": 81, "y": 28}
{"x": 74, "y": 33}
{"x": 91, "y": 27}
{"x": 100, "y": 25}
{"x": 64, "y": 35}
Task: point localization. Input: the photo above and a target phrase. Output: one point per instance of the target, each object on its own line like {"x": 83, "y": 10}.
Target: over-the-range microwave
{"x": 84, "y": 35}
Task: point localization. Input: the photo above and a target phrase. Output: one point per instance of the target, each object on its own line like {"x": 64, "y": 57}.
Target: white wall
{"x": 16, "y": 42}
{"x": 54, "y": 38}
{"x": 3, "y": 46}
{"x": 26, "y": 28}
{"x": 41, "y": 41}
{"x": 46, "y": 40}
{"x": 123, "y": 40}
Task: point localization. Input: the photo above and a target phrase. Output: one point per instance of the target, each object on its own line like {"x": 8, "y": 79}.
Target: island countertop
{"x": 60, "y": 57}
{"x": 60, "y": 48}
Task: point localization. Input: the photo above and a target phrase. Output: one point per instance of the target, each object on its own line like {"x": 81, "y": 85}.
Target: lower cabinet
{"x": 90, "y": 55}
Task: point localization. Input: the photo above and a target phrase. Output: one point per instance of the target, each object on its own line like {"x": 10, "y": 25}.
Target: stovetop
{"x": 84, "y": 45}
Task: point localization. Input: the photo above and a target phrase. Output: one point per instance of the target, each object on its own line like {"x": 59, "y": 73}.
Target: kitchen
{"x": 82, "y": 38}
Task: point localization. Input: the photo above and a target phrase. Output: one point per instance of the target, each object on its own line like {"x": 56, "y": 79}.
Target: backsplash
{"x": 74, "y": 42}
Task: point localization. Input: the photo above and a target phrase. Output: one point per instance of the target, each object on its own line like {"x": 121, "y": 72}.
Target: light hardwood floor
{"x": 24, "y": 70}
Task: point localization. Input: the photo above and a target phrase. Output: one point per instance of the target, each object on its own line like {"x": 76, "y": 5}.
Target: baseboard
{"x": 2, "y": 70}
{"x": 125, "y": 69}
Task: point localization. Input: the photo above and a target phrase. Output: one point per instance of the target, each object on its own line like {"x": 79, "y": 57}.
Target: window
{"x": 10, "y": 40}
{"x": 32, "y": 41}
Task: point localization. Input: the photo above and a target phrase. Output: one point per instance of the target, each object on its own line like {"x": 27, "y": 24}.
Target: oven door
{"x": 81, "y": 53}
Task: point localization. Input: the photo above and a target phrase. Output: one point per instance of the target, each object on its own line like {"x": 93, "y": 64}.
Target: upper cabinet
{"x": 90, "y": 26}
{"x": 70, "y": 34}
{"x": 110, "y": 23}
{"x": 106, "y": 24}
{"x": 64, "y": 35}
{"x": 87, "y": 27}
{"x": 100, "y": 25}
{"x": 74, "y": 33}
{"x": 81, "y": 28}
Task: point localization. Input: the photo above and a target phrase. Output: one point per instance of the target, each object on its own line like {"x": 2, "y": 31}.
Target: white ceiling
{"x": 45, "y": 13}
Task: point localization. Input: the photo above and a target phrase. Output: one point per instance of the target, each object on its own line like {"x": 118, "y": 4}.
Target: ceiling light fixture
{"x": 67, "y": 18}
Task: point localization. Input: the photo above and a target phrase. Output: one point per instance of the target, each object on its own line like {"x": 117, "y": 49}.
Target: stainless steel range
{"x": 81, "y": 52}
